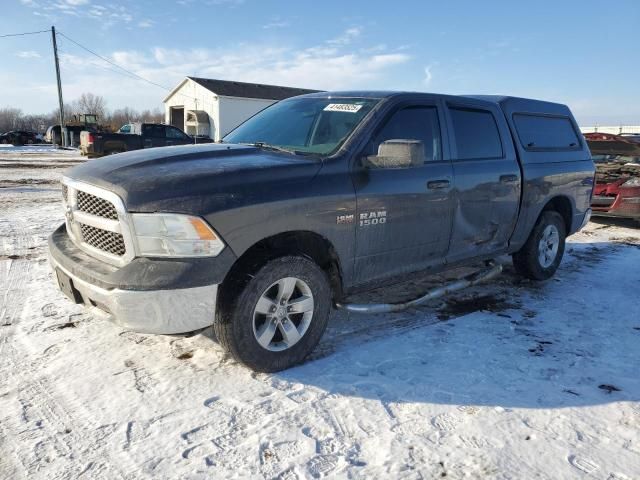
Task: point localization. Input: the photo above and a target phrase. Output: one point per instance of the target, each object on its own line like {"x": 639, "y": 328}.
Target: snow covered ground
{"x": 510, "y": 380}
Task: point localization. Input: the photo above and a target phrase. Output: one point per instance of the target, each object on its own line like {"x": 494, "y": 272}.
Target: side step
{"x": 492, "y": 270}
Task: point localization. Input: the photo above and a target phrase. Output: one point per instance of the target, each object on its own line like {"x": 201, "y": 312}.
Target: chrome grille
{"x": 95, "y": 205}
{"x": 97, "y": 222}
{"x": 105, "y": 240}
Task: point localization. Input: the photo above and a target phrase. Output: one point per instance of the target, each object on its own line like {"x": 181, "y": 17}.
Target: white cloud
{"x": 145, "y": 24}
{"x": 28, "y": 54}
{"x": 276, "y": 24}
{"x": 347, "y": 37}
{"x": 108, "y": 13}
{"x": 428, "y": 75}
{"x": 321, "y": 66}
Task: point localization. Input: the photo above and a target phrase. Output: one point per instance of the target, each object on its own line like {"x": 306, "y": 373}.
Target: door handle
{"x": 435, "y": 184}
{"x": 508, "y": 178}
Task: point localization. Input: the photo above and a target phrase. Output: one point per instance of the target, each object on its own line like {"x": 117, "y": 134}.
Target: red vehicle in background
{"x": 617, "y": 188}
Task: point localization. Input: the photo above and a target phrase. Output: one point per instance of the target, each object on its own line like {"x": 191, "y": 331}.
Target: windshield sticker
{"x": 342, "y": 107}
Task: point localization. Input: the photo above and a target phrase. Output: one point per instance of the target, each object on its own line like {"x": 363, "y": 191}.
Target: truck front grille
{"x": 96, "y": 206}
{"x": 110, "y": 242}
{"x": 97, "y": 222}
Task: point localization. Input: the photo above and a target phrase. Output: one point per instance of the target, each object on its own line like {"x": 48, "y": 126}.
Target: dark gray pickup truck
{"x": 134, "y": 136}
{"x": 312, "y": 199}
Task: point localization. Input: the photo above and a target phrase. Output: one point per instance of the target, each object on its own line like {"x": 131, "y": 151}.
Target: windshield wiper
{"x": 275, "y": 148}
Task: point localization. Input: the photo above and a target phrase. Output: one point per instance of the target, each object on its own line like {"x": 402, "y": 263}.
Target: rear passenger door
{"x": 403, "y": 218}
{"x": 487, "y": 180}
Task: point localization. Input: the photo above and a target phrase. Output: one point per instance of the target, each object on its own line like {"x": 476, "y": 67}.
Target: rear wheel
{"x": 541, "y": 255}
{"x": 279, "y": 317}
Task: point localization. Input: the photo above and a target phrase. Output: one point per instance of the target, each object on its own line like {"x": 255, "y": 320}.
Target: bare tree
{"x": 95, "y": 104}
{"x": 152, "y": 116}
{"x": 34, "y": 123}
{"x": 9, "y": 118}
{"x": 13, "y": 118}
{"x": 121, "y": 116}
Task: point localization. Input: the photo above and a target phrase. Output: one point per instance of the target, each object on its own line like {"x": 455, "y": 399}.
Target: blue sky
{"x": 582, "y": 53}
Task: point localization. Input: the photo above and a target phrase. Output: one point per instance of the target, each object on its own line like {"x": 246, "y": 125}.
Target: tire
{"x": 541, "y": 255}
{"x": 239, "y": 325}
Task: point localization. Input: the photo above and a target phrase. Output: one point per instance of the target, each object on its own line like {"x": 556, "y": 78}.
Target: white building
{"x": 613, "y": 129}
{"x": 203, "y": 106}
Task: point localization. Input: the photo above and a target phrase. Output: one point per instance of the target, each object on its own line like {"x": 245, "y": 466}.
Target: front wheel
{"x": 279, "y": 317}
{"x": 541, "y": 255}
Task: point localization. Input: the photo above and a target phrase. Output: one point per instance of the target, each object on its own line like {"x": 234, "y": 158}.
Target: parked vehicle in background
{"x": 617, "y": 187}
{"x": 19, "y": 137}
{"x": 54, "y": 137}
{"x": 134, "y": 136}
{"x": 312, "y": 199}
{"x": 78, "y": 123}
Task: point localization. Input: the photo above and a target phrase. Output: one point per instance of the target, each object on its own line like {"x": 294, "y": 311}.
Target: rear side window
{"x": 546, "y": 132}
{"x": 151, "y": 130}
{"x": 173, "y": 132}
{"x": 476, "y": 134}
{"x": 125, "y": 129}
{"x": 413, "y": 123}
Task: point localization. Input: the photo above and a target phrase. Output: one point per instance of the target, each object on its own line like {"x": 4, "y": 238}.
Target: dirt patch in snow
{"x": 27, "y": 181}
{"x": 457, "y": 307}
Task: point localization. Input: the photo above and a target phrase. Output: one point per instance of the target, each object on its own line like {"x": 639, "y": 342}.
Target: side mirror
{"x": 397, "y": 153}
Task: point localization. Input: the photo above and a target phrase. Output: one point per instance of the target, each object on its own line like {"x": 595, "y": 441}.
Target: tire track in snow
{"x": 14, "y": 269}
{"x": 51, "y": 427}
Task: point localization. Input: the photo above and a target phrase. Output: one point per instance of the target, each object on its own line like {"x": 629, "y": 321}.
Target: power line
{"x": 113, "y": 63}
{"x": 23, "y": 33}
{"x": 96, "y": 64}
{"x": 129, "y": 72}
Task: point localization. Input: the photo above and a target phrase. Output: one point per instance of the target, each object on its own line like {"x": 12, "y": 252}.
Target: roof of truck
{"x": 503, "y": 100}
{"x": 518, "y": 104}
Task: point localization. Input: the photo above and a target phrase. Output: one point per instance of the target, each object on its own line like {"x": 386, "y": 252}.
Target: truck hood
{"x": 193, "y": 178}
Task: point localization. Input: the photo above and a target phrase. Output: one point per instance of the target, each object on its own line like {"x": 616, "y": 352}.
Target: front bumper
{"x": 164, "y": 296}
{"x": 147, "y": 311}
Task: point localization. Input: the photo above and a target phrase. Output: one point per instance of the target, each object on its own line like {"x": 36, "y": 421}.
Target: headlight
{"x": 632, "y": 182}
{"x": 174, "y": 235}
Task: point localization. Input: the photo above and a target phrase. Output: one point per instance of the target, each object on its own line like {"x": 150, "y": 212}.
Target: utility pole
{"x": 55, "y": 57}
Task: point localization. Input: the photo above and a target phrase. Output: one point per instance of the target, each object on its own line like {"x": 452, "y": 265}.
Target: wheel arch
{"x": 296, "y": 242}
{"x": 563, "y": 205}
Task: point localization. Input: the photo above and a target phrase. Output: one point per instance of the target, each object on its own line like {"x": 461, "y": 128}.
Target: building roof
{"x": 228, "y": 88}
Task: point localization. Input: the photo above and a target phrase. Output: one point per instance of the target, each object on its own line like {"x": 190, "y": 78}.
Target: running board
{"x": 491, "y": 271}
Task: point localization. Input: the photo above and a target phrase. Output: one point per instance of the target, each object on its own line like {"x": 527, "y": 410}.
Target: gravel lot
{"x": 508, "y": 380}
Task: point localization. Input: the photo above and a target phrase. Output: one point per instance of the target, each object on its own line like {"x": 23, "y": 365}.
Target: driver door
{"x": 404, "y": 215}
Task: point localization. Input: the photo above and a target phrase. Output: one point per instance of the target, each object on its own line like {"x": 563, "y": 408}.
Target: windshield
{"x": 304, "y": 125}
